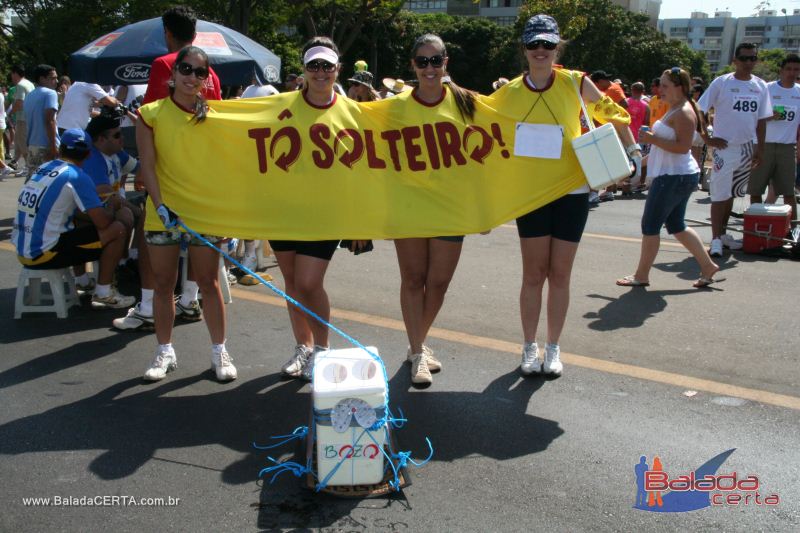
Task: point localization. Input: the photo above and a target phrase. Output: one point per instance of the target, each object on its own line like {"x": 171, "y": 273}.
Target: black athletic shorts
{"x": 562, "y": 219}
{"x": 319, "y": 249}
{"x": 81, "y": 245}
{"x": 451, "y": 238}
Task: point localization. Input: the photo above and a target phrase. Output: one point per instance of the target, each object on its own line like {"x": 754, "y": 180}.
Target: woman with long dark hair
{"x": 160, "y": 122}
{"x": 427, "y": 264}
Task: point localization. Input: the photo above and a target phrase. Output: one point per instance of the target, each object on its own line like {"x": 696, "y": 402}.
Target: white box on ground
{"x": 602, "y": 156}
{"x": 349, "y": 394}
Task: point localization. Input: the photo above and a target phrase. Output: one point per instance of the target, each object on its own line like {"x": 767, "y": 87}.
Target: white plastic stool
{"x": 224, "y": 284}
{"x": 62, "y": 290}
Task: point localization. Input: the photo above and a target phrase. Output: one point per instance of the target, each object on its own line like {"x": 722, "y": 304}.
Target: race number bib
{"x": 745, "y": 103}
{"x": 31, "y": 196}
{"x": 786, "y": 112}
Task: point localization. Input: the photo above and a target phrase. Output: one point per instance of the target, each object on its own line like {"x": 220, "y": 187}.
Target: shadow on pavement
{"x": 132, "y": 423}
{"x": 632, "y": 309}
{"x": 688, "y": 269}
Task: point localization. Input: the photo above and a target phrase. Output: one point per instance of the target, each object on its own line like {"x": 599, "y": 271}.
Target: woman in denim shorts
{"x": 676, "y": 177}
{"x": 159, "y": 123}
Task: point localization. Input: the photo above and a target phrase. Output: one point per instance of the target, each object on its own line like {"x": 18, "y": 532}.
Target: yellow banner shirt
{"x": 281, "y": 168}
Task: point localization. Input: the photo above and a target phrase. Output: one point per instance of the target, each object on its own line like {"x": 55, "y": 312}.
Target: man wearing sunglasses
{"x": 742, "y": 105}
{"x": 179, "y": 32}
{"x": 107, "y": 165}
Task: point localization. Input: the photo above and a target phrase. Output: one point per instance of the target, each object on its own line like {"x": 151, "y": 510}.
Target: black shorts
{"x": 81, "y": 245}
{"x": 319, "y": 249}
{"x": 562, "y": 219}
{"x": 451, "y": 238}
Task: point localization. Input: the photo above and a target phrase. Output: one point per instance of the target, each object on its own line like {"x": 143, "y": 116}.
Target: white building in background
{"x": 718, "y": 36}
{"x": 714, "y": 36}
{"x": 504, "y": 12}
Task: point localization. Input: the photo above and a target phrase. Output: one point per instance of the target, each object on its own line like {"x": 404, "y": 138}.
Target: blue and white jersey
{"x": 109, "y": 169}
{"x": 47, "y": 204}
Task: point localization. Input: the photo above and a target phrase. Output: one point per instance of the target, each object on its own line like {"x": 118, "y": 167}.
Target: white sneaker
{"x": 113, "y": 301}
{"x": 250, "y": 263}
{"x": 552, "y": 360}
{"x": 420, "y": 372}
{"x": 531, "y": 364}
{"x": 308, "y": 370}
{"x": 165, "y": 361}
{"x": 295, "y": 365}
{"x": 716, "y": 248}
{"x": 222, "y": 364}
{"x": 434, "y": 365}
{"x": 730, "y": 243}
{"x": 134, "y": 319}
{"x": 190, "y": 313}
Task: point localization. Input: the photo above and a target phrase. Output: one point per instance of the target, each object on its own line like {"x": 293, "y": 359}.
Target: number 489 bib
{"x": 745, "y": 103}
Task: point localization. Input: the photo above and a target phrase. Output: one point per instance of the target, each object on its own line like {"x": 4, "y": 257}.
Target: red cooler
{"x": 765, "y": 226}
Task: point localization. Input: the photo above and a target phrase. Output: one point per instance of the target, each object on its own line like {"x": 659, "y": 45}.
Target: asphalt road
{"x": 672, "y": 371}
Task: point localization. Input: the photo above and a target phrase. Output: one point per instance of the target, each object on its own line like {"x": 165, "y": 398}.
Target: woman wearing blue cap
{"x": 547, "y": 96}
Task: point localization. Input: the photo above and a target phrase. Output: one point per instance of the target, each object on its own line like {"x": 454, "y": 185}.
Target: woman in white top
{"x": 676, "y": 176}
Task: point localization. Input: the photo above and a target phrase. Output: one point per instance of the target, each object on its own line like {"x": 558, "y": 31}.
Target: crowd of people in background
{"x": 56, "y": 131}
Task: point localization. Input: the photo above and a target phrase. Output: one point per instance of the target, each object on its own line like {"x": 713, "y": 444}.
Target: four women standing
{"x": 546, "y": 95}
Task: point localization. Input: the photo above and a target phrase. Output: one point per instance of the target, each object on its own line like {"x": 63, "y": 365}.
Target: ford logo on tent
{"x": 133, "y": 72}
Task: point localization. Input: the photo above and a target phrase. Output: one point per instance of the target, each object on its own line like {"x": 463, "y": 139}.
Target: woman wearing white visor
{"x": 303, "y": 263}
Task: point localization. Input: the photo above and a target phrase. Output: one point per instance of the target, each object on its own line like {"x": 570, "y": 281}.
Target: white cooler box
{"x": 602, "y": 157}
{"x": 349, "y": 395}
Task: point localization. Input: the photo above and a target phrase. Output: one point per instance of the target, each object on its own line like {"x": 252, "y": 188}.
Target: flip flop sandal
{"x": 705, "y": 282}
{"x": 631, "y": 281}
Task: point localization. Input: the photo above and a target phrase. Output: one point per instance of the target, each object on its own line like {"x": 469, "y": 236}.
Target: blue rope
{"x": 298, "y": 433}
{"x": 403, "y": 458}
{"x": 287, "y": 466}
{"x": 292, "y": 301}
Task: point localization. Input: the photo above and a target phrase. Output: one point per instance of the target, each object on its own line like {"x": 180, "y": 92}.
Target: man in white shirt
{"x": 24, "y": 87}
{"x": 780, "y": 150}
{"x": 257, "y": 91}
{"x": 741, "y": 106}
{"x": 76, "y": 111}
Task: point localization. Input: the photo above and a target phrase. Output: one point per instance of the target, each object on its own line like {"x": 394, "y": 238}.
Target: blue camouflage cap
{"x": 541, "y": 28}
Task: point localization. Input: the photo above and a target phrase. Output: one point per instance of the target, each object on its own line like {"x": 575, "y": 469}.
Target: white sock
{"x": 133, "y": 253}
{"x": 83, "y": 279}
{"x": 165, "y": 347}
{"x": 189, "y": 294}
{"x": 217, "y": 348}
{"x": 146, "y": 305}
{"x": 101, "y": 291}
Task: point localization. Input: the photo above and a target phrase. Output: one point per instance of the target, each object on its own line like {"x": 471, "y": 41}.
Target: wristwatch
{"x": 632, "y": 148}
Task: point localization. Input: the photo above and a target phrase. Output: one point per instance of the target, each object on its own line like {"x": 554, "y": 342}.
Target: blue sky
{"x": 740, "y": 8}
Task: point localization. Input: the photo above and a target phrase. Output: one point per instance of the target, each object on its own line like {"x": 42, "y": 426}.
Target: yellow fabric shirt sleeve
{"x": 605, "y": 110}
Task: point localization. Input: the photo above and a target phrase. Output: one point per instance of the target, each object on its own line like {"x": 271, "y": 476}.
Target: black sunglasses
{"x": 747, "y": 58}
{"x": 533, "y": 45}
{"x": 314, "y": 66}
{"x": 435, "y": 61}
{"x": 200, "y": 73}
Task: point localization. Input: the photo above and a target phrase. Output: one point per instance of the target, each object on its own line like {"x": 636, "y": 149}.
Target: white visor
{"x": 320, "y": 52}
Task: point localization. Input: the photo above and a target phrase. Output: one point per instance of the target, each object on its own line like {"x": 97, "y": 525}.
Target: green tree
{"x": 605, "y": 36}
